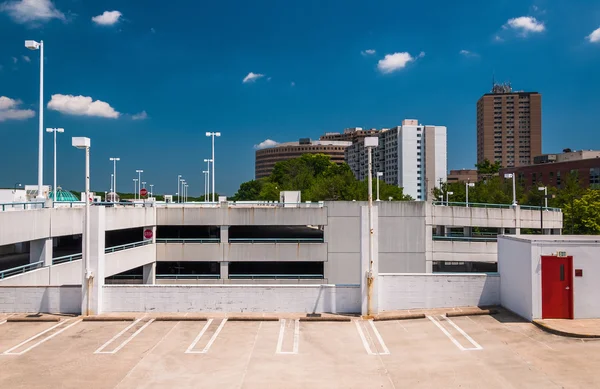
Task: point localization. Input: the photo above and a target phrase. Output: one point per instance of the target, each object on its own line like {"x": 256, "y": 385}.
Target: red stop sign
{"x": 148, "y": 234}
{"x": 143, "y": 191}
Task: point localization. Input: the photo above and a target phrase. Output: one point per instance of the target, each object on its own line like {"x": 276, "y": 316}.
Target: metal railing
{"x": 67, "y": 258}
{"x": 126, "y": 246}
{"x": 276, "y": 240}
{"x": 496, "y": 206}
{"x": 188, "y": 276}
{"x": 188, "y": 240}
{"x": 21, "y": 269}
{"x": 276, "y": 276}
{"x": 466, "y": 238}
{"x": 22, "y": 206}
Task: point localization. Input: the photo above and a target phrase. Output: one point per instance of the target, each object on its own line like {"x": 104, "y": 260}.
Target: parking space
{"x": 480, "y": 351}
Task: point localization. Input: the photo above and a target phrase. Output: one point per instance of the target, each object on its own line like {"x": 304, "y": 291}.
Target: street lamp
{"x": 85, "y": 143}
{"x": 55, "y": 130}
{"x": 111, "y": 181}
{"x": 208, "y": 162}
{"x": 135, "y": 180}
{"x": 379, "y": 174}
{"x": 139, "y": 172}
{"x": 545, "y": 190}
{"x": 114, "y": 159}
{"x": 447, "y": 196}
{"x": 512, "y": 175}
{"x": 213, "y": 134}
{"x": 33, "y": 45}
{"x": 467, "y": 185}
{"x": 370, "y": 142}
{"x": 178, "y": 182}
{"x": 206, "y": 173}
{"x": 180, "y": 188}
{"x": 151, "y": 191}
{"x": 183, "y": 190}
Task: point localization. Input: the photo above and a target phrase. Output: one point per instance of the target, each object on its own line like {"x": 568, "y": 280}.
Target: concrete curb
{"x": 250, "y": 318}
{"x": 326, "y": 319}
{"x": 405, "y": 316}
{"x": 107, "y": 318}
{"x": 472, "y": 313}
{"x": 181, "y": 318}
{"x": 554, "y": 331}
{"x": 33, "y": 319}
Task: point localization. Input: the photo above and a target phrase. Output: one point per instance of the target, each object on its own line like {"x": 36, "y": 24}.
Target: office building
{"x": 509, "y": 126}
{"x": 462, "y": 175}
{"x": 411, "y": 156}
{"x": 266, "y": 159}
{"x": 353, "y": 134}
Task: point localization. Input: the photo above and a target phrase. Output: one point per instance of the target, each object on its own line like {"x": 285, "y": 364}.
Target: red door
{"x": 557, "y": 287}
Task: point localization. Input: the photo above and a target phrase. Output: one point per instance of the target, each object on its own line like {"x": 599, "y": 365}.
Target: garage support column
{"x": 41, "y": 250}
{"x": 224, "y": 271}
{"x": 224, "y": 234}
{"x": 468, "y": 231}
{"x": 365, "y": 259}
{"x": 91, "y": 287}
{"x": 517, "y": 220}
{"x": 149, "y": 273}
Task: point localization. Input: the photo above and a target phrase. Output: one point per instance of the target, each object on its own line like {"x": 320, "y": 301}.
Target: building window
{"x": 558, "y": 179}
{"x": 595, "y": 178}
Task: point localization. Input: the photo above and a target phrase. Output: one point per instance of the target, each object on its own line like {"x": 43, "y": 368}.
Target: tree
{"x": 488, "y": 168}
{"x": 587, "y": 212}
{"x": 249, "y": 190}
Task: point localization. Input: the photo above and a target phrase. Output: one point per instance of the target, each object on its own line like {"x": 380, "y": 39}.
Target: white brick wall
{"x": 45, "y": 299}
{"x": 410, "y": 291}
{"x": 232, "y": 298}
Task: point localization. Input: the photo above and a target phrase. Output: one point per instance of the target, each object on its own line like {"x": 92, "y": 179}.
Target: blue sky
{"x": 310, "y": 67}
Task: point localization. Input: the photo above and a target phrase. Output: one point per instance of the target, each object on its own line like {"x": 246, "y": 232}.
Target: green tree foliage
{"x": 586, "y": 215}
{"x": 486, "y": 168}
{"x": 317, "y": 178}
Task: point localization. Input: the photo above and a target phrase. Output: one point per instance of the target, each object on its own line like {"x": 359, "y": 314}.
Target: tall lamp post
{"x": 379, "y": 174}
{"x": 206, "y": 173}
{"x": 135, "y": 180}
{"x": 208, "y": 162}
{"x": 213, "y": 134}
{"x": 54, "y": 130}
{"x": 85, "y": 143}
{"x": 33, "y": 45}
{"x": 545, "y": 203}
{"x": 512, "y": 175}
{"x": 447, "y": 197}
{"x": 180, "y": 188}
{"x": 178, "y": 182}
{"x": 114, "y": 160}
{"x": 467, "y": 186}
{"x": 183, "y": 191}
{"x": 370, "y": 143}
{"x": 139, "y": 172}
{"x": 151, "y": 190}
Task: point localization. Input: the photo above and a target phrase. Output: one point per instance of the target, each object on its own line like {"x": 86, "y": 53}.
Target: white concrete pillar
{"x": 91, "y": 287}
{"x": 149, "y": 274}
{"x": 517, "y": 220}
{"x": 365, "y": 259}
{"x": 224, "y": 234}
{"x": 468, "y": 231}
{"x": 224, "y": 270}
{"x": 41, "y": 250}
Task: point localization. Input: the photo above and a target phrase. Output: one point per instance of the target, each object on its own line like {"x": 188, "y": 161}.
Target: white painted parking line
{"x": 119, "y": 347}
{"x": 365, "y": 342}
{"x": 281, "y": 335}
{"x": 9, "y": 351}
{"x": 210, "y": 342}
{"x": 452, "y": 338}
{"x": 5, "y": 320}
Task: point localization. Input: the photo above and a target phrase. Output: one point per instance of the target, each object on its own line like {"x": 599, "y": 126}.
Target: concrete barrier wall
{"x": 45, "y": 299}
{"x": 201, "y": 252}
{"x": 124, "y": 260}
{"x": 280, "y": 252}
{"x": 35, "y": 277}
{"x": 410, "y": 291}
{"x": 118, "y": 218}
{"x": 459, "y": 251}
{"x": 232, "y": 298}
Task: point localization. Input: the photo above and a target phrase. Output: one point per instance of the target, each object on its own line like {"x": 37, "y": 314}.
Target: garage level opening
{"x": 276, "y": 234}
{"x": 187, "y": 233}
{"x": 187, "y": 270}
{"x": 276, "y": 270}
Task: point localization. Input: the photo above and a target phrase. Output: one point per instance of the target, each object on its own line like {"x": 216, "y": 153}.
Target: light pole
{"x": 139, "y": 172}
{"x": 447, "y": 196}
{"x": 467, "y": 185}
{"x": 115, "y": 159}
{"x": 151, "y": 190}
{"x": 180, "y": 189}
{"x": 208, "y": 161}
{"x": 512, "y": 175}
{"x": 183, "y": 190}
{"x": 85, "y": 143}
{"x": 112, "y": 176}
{"x": 379, "y": 174}
{"x": 545, "y": 190}
{"x": 206, "y": 172}
{"x": 178, "y": 181}
{"x": 370, "y": 143}
{"x": 54, "y": 130}
{"x": 33, "y": 45}
{"x": 135, "y": 180}
{"x": 213, "y": 134}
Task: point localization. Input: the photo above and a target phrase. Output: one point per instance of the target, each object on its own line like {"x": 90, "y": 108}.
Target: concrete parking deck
{"x": 474, "y": 351}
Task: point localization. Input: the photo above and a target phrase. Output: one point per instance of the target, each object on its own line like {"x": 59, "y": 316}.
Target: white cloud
{"x": 252, "y": 77}
{"x": 26, "y": 11}
{"x": 594, "y": 37}
{"x": 26, "y": 58}
{"x": 140, "y": 116}
{"x": 15, "y": 60}
{"x": 468, "y": 53}
{"x": 81, "y": 106}
{"x": 498, "y": 38}
{"x": 368, "y": 52}
{"x": 267, "y": 143}
{"x": 9, "y": 110}
{"x": 525, "y": 24}
{"x": 397, "y": 61}
{"x": 152, "y": 30}
{"x": 108, "y": 18}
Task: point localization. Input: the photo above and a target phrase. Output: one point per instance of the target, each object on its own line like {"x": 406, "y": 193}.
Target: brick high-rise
{"x": 509, "y": 126}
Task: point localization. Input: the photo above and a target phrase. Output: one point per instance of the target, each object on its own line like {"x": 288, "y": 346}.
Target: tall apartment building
{"x": 509, "y": 126}
{"x": 353, "y": 134}
{"x": 411, "y": 156}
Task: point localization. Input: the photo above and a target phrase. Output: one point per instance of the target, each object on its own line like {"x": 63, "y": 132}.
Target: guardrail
{"x": 20, "y": 269}
{"x": 466, "y": 238}
{"x": 276, "y": 276}
{"x": 497, "y": 206}
{"x": 242, "y": 204}
{"x": 188, "y": 240}
{"x": 126, "y": 246}
{"x": 22, "y": 206}
{"x": 67, "y": 258}
{"x": 188, "y": 276}
{"x": 276, "y": 240}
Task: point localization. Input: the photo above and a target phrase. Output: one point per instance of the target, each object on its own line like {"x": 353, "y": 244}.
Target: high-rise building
{"x": 411, "y": 156}
{"x": 509, "y": 126}
{"x": 350, "y": 134}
